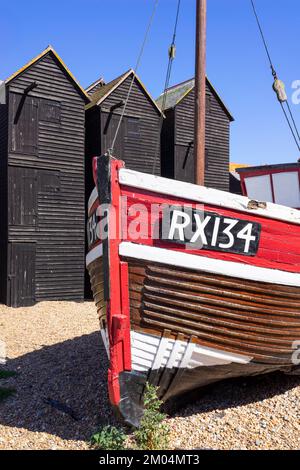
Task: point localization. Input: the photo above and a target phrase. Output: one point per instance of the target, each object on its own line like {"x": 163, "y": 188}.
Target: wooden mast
{"x": 200, "y": 92}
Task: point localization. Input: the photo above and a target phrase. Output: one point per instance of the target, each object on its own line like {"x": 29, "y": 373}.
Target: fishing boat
{"x": 177, "y": 314}
{"x": 192, "y": 285}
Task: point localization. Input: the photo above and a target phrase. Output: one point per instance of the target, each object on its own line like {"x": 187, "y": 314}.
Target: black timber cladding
{"x": 177, "y": 141}
{"x": 45, "y": 185}
{"x": 3, "y": 197}
{"x": 138, "y": 142}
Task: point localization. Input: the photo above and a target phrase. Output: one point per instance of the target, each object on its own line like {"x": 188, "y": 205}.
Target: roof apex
{"x": 94, "y": 84}
{"x": 99, "y": 96}
{"x": 48, "y": 49}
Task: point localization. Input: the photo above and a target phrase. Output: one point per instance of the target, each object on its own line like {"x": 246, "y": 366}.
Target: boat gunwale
{"x": 204, "y": 195}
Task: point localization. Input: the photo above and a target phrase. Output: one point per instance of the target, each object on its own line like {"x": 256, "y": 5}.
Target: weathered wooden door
{"x": 22, "y": 196}
{"x": 24, "y": 124}
{"x": 109, "y": 124}
{"x": 22, "y": 274}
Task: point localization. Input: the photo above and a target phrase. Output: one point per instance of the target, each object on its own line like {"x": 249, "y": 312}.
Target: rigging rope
{"x": 278, "y": 86}
{"x": 111, "y": 149}
{"x": 263, "y": 38}
{"x": 293, "y": 120}
{"x": 290, "y": 126}
{"x": 172, "y": 53}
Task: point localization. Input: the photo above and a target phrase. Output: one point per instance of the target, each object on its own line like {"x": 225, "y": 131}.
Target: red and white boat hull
{"x": 204, "y": 287}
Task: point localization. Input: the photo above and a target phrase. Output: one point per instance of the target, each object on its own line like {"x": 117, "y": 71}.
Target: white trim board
{"x": 96, "y": 252}
{"x": 210, "y": 265}
{"x": 201, "y": 194}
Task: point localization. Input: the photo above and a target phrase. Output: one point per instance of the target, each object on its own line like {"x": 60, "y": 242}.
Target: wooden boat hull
{"x": 180, "y": 319}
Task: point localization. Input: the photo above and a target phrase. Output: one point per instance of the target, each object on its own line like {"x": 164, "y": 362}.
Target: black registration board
{"x": 210, "y": 231}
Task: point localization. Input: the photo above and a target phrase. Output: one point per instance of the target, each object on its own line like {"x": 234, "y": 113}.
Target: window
{"x": 50, "y": 111}
{"x": 133, "y": 128}
{"x": 286, "y": 188}
{"x": 259, "y": 187}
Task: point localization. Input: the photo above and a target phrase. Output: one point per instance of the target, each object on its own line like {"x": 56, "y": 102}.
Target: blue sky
{"x": 96, "y": 37}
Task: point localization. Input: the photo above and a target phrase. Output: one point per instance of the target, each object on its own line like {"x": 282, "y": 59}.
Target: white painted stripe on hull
{"x": 95, "y": 253}
{"x": 176, "y": 355}
{"x": 167, "y": 352}
{"x": 210, "y": 265}
{"x": 105, "y": 340}
{"x": 204, "y": 195}
{"x": 92, "y": 199}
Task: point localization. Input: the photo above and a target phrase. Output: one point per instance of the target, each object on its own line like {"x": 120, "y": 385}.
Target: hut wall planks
{"x": 45, "y": 185}
{"x": 3, "y": 200}
{"x": 177, "y": 141}
{"x": 138, "y": 142}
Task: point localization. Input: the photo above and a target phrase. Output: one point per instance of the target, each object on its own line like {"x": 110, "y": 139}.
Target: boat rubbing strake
{"x": 192, "y": 285}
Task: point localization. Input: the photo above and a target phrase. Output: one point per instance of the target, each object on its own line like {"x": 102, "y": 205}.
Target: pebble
{"x": 57, "y": 352}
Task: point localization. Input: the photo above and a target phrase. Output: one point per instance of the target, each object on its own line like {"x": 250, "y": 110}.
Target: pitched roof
{"x": 100, "y": 95}
{"x": 105, "y": 90}
{"x": 176, "y": 93}
{"x": 93, "y": 87}
{"x": 50, "y": 50}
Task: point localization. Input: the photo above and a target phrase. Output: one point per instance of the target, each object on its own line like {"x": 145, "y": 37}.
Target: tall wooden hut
{"x": 177, "y": 139}
{"x": 42, "y": 212}
{"x": 138, "y": 142}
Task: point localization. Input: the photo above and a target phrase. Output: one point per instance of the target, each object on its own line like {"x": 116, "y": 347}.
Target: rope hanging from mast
{"x": 172, "y": 55}
{"x": 111, "y": 149}
{"x": 278, "y": 86}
